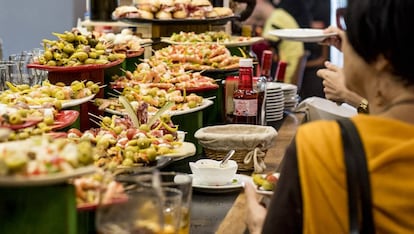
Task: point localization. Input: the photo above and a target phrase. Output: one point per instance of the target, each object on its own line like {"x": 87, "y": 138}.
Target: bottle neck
{"x": 266, "y": 65}
{"x": 245, "y": 78}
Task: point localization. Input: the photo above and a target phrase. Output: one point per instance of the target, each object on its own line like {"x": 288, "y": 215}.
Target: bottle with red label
{"x": 245, "y": 97}
{"x": 266, "y": 64}
{"x": 280, "y": 71}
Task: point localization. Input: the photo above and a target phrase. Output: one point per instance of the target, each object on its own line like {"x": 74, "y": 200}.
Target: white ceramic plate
{"x": 70, "y": 103}
{"x": 261, "y": 191}
{"x": 48, "y": 179}
{"x": 238, "y": 182}
{"x": 206, "y": 103}
{"x": 235, "y": 41}
{"x": 75, "y": 102}
{"x": 301, "y": 34}
{"x": 187, "y": 149}
{"x": 273, "y": 85}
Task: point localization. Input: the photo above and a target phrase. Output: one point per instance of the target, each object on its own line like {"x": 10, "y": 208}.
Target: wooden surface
{"x": 234, "y": 220}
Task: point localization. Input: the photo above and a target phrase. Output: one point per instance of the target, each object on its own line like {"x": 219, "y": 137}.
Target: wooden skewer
{"x": 117, "y": 91}
{"x": 95, "y": 116}
{"x": 95, "y": 122}
{"x": 113, "y": 94}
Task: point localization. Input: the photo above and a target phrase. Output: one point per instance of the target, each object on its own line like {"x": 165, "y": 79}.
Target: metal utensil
{"x": 227, "y": 157}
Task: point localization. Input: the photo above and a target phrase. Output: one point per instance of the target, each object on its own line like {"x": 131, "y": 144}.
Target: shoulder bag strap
{"x": 358, "y": 182}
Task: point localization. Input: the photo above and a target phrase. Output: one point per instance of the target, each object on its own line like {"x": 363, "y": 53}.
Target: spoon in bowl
{"x": 226, "y": 158}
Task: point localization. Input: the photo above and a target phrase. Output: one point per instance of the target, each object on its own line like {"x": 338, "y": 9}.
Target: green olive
{"x": 60, "y": 95}
{"x": 127, "y": 162}
{"x": 48, "y": 55}
{"x": 168, "y": 137}
{"x": 51, "y": 63}
{"x": 107, "y": 121}
{"x": 144, "y": 127}
{"x": 89, "y": 61}
{"x": 143, "y": 143}
{"x": 48, "y": 120}
{"x": 151, "y": 154}
{"x": 89, "y": 83}
{"x": 94, "y": 88}
{"x": 15, "y": 118}
{"x": 100, "y": 46}
{"x": 80, "y": 55}
{"x": 192, "y": 104}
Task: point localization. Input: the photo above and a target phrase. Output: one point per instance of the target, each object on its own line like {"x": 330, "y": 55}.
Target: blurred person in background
{"x": 311, "y": 14}
{"x": 257, "y": 20}
{"x": 311, "y": 194}
{"x": 284, "y": 50}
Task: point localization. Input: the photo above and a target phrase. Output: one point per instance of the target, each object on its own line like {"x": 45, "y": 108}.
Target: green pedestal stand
{"x": 38, "y": 209}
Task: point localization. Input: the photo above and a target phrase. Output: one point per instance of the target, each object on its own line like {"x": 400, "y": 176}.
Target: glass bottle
{"x": 245, "y": 97}
{"x": 266, "y": 64}
{"x": 280, "y": 72}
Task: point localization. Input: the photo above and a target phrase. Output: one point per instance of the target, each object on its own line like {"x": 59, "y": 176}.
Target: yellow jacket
{"x": 289, "y": 51}
{"x": 389, "y": 148}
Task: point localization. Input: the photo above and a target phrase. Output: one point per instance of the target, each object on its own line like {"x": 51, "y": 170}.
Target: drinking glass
{"x": 4, "y": 74}
{"x": 147, "y": 210}
{"x": 175, "y": 180}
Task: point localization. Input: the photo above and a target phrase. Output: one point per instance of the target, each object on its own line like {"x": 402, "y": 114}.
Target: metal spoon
{"x": 227, "y": 157}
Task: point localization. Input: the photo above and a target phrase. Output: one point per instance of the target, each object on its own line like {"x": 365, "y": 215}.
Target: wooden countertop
{"x": 234, "y": 220}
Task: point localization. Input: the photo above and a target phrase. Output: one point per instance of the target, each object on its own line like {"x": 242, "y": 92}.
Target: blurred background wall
{"x": 24, "y": 23}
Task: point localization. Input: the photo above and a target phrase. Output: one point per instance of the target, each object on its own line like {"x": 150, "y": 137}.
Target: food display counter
{"x": 135, "y": 127}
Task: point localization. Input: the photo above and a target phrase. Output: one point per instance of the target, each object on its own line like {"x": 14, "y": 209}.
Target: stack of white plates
{"x": 290, "y": 95}
{"x": 274, "y": 102}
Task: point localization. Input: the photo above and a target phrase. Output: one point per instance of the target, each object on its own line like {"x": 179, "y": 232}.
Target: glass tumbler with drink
{"x": 148, "y": 209}
{"x": 175, "y": 180}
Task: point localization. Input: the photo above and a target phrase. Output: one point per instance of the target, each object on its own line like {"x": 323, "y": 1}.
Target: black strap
{"x": 358, "y": 182}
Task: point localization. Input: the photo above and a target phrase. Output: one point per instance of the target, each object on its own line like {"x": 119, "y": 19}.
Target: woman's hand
{"x": 333, "y": 82}
{"x": 256, "y": 213}
{"x": 334, "y": 86}
{"x": 336, "y": 40}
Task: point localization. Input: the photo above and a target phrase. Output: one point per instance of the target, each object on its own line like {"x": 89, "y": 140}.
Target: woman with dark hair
{"x": 312, "y": 192}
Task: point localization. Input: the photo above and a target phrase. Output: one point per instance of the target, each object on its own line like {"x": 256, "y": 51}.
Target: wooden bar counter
{"x": 233, "y": 219}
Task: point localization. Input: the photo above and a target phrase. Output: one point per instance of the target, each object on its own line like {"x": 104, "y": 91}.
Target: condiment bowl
{"x": 209, "y": 171}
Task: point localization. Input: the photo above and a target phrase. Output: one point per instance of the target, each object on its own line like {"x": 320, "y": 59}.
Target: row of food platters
{"x": 210, "y": 37}
{"x": 173, "y": 12}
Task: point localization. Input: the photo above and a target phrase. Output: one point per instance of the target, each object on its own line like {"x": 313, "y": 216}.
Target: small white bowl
{"x": 209, "y": 172}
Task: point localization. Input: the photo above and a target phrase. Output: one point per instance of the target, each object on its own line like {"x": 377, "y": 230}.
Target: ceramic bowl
{"x": 209, "y": 171}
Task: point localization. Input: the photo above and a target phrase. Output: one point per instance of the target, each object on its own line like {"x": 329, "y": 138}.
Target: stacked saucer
{"x": 274, "y": 102}
{"x": 290, "y": 95}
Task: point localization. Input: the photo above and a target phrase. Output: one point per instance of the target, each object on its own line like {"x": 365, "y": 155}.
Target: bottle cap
{"x": 246, "y": 62}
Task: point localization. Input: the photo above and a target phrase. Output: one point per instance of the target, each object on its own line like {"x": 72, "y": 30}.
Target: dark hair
{"x": 376, "y": 27}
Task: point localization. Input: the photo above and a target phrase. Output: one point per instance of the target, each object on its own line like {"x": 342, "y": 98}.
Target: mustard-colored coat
{"x": 389, "y": 148}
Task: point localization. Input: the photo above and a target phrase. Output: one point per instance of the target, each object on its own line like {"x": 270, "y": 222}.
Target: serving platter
{"x": 64, "y": 118}
{"x": 237, "y": 184}
{"x": 206, "y": 103}
{"x": 26, "y": 124}
{"x": 49, "y": 179}
{"x": 75, "y": 102}
{"x": 93, "y": 206}
{"x": 260, "y": 190}
{"x": 80, "y": 68}
{"x": 187, "y": 149}
{"x": 233, "y": 42}
{"x": 301, "y": 34}
{"x": 186, "y": 21}
{"x": 161, "y": 162}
